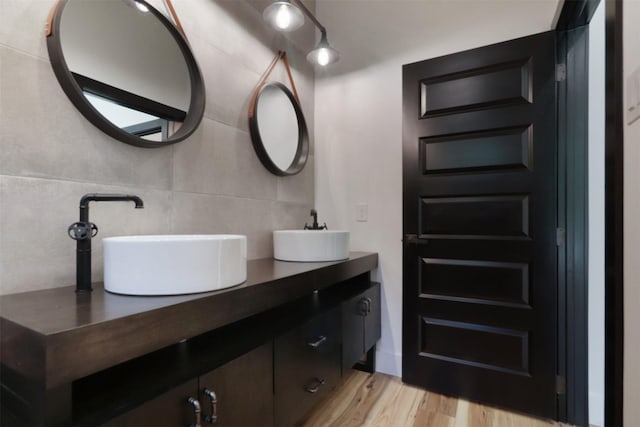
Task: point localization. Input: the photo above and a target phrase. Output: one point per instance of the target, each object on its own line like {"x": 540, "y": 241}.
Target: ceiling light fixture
{"x": 284, "y": 15}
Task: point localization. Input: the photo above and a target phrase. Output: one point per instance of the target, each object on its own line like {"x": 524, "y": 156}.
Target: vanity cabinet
{"x": 306, "y": 366}
{"x": 269, "y": 350}
{"x": 236, "y": 394}
{"x": 361, "y": 325}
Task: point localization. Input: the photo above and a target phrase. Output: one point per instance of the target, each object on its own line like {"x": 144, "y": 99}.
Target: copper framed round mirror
{"x": 127, "y": 69}
{"x": 279, "y": 131}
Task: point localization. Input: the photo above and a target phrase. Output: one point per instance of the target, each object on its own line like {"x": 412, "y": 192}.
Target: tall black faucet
{"x": 83, "y": 230}
{"x": 315, "y": 225}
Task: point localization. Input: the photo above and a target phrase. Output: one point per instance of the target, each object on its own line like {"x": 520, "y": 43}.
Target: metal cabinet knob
{"x": 364, "y": 306}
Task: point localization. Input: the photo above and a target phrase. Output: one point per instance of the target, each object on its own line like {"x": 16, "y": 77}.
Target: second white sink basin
{"x": 310, "y": 245}
{"x": 174, "y": 264}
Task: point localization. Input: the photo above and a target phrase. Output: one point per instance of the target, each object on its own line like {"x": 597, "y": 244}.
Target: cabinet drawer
{"x": 306, "y": 366}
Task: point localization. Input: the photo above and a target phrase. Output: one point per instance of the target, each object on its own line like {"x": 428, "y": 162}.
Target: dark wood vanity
{"x": 261, "y": 353}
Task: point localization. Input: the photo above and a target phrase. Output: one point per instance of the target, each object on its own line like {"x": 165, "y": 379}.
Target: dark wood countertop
{"x": 55, "y": 336}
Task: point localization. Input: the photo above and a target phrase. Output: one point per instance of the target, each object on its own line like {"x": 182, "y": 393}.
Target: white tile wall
{"x": 210, "y": 183}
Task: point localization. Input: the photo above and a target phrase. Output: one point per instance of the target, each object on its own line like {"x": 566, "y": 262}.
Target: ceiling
{"x": 368, "y": 31}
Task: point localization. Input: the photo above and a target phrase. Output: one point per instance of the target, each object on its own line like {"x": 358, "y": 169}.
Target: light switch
{"x": 633, "y": 97}
{"x": 362, "y": 212}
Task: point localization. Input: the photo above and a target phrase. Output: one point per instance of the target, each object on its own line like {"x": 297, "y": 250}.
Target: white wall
{"x": 596, "y": 215}
{"x": 359, "y": 115}
{"x": 631, "y": 17}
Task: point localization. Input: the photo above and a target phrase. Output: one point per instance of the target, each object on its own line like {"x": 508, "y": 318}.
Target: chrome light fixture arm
{"x": 310, "y": 15}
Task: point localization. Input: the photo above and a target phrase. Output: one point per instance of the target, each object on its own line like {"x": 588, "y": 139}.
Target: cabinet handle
{"x": 213, "y": 399}
{"x": 364, "y": 306}
{"x": 317, "y": 383}
{"x": 321, "y": 340}
{"x": 196, "y": 411}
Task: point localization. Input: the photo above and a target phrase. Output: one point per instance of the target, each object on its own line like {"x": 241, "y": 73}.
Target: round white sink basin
{"x": 310, "y": 245}
{"x": 174, "y": 264}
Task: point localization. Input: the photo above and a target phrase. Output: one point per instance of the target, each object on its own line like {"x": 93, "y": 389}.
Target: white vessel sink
{"x": 310, "y": 245}
{"x": 174, "y": 264}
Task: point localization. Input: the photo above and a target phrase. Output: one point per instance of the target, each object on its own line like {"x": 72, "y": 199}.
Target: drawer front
{"x": 306, "y": 366}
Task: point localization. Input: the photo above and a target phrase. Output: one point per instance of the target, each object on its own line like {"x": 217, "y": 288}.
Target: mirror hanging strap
{"x": 280, "y": 56}
{"x": 174, "y": 15}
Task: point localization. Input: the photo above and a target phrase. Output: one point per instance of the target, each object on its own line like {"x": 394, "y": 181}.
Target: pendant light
{"x": 323, "y": 54}
{"x": 284, "y": 15}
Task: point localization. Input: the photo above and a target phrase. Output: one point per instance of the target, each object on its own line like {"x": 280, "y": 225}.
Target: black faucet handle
{"x": 82, "y": 230}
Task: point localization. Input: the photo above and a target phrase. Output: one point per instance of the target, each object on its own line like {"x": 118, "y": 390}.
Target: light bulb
{"x": 323, "y": 56}
{"x": 283, "y": 18}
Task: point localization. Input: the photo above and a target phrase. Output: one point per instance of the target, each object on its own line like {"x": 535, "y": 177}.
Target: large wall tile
{"x": 45, "y": 136}
{"x": 220, "y": 159}
{"x": 298, "y": 188}
{"x": 229, "y": 85}
{"x": 201, "y": 213}
{"x": 292, "y": 216}
{"x": 37, "y": 253}
{"x": 22, "y": 25}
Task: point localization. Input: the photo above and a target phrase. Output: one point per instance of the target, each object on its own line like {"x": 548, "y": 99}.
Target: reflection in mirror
{"x": 127, "y": 69}
{"x": 279, "y": 131}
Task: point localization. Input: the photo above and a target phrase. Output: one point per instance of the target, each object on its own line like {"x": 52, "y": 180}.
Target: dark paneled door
{"x": 480, "y": 268}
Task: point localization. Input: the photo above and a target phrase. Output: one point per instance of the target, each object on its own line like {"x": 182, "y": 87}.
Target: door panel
{"x": 479, "y": 181}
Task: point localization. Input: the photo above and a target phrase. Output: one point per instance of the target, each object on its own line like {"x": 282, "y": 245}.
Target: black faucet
{"x": 83, "y": 230}
{"x": 315, "y": 225}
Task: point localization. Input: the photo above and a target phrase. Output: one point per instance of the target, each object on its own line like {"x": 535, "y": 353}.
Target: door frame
{"x": 575, "y": 14}
{"x": 573, "y": 194}
{"x": 614, "y": 215}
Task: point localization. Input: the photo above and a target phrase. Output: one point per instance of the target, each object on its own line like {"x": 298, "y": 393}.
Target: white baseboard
{"x": 389, "y": 363}
{"x": 596, "y": 409}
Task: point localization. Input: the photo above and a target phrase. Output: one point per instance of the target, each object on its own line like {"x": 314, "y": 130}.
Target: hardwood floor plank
{"x": 337, "y": 406}
{"x": 378, "y": 400}
{"x": 396, "y": 409}
{"x": 480, "y": 416}
{"x": 462, "y": 414}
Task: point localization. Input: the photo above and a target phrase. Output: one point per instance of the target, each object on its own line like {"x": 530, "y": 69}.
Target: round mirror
{"x": 127, "y": 69}
{"x": 279, "y": 131}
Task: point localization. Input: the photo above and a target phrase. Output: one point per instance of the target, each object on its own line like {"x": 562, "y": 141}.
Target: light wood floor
{"x": 382, "y": 400}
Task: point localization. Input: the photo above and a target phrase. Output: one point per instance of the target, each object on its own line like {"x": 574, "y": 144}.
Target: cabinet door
{"x": 360, "y": 324}
{"x": 306, "y": 366}
{"x": 243, "y": 390}
{"x": 171, "y": 409}
{"x": 372, "y": 322}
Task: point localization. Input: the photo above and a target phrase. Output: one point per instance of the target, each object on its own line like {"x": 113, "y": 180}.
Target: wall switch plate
{"x": 362, "y": 212}
{"x": 633, "y": 97}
